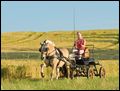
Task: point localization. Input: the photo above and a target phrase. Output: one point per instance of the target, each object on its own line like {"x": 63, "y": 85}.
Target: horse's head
{"x": 46, "y": 48}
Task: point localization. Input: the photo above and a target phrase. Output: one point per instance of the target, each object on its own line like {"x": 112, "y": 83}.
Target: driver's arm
{"x": 84, "y": 43}
{"x": 75, "y": 45}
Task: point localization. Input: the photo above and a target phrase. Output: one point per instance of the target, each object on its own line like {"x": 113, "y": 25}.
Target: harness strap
{"x": 61, "y": 57}
{"x": 59, "y": 54}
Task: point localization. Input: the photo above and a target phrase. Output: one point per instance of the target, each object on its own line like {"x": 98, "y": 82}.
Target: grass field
{"x": 20, "y": 60}
{"x": 109, "y": 83}
{"x": 15, "y": 79}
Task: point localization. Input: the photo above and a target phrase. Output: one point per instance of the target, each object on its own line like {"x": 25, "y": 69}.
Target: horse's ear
{"x": 44, "y": 41}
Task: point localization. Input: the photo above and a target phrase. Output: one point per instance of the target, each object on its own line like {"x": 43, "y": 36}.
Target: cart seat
{"x": 86, "y": 53}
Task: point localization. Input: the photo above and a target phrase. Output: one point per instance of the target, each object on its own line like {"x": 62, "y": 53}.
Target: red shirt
{"x": 79, "y": 43}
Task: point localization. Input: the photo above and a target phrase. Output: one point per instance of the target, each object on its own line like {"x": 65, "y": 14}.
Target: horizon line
{"x": 62, "y": 30}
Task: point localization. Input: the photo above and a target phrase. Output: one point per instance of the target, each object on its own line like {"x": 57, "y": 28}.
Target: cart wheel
{"x": 102, "y": 72}
{"x": 90, "y": 72}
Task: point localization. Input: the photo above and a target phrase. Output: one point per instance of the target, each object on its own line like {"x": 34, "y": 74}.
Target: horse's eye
{"x": 40, "y": 49}
{"x": 46, "y": 49}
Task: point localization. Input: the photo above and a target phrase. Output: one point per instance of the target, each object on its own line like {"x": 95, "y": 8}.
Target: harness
{"x": 58, "y": 55}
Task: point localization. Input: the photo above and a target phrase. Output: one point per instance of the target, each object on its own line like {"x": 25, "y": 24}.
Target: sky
{"x": 58, "y": 15}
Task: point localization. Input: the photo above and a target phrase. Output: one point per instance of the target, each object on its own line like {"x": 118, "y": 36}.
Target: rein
{"x": 50, "y": 53}
{"x": 53, "y": 56}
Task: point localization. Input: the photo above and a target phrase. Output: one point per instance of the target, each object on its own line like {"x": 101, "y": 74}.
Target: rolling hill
{"x": 29, "y": 41}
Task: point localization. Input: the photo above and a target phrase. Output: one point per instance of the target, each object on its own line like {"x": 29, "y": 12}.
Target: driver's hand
{"x": 83, "y": 45}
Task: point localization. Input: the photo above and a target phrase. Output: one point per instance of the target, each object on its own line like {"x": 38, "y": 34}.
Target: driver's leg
{"x": 80, "y": 53}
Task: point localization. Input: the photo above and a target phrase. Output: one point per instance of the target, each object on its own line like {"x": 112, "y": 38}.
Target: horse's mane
{"x": 48, "y": 41}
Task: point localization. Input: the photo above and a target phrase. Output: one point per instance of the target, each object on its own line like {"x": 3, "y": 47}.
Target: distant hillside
{"x": 29, "y": 41}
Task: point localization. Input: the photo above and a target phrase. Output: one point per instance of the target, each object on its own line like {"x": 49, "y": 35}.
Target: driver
{"x": 80, "y": 44}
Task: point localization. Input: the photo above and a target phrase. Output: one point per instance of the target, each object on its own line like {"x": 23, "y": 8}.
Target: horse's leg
{"x": 67, "y": 67}
{"x": 68, "y": 71}
{"x": 58, "y": 74}
{"x": 54, "y": 65}
{"x": 42, "y": 70}
{"x": 72, "y": 68}
{"x": 61, "y": 63}
{"x": 72, "y": 73}
{"x": 53, "y": 71}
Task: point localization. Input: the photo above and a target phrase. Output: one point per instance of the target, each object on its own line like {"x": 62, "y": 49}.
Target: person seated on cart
{"x": 80, "y": 44}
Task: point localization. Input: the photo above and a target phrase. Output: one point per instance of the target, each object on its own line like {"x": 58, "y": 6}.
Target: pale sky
{"x": 58, "y": 15}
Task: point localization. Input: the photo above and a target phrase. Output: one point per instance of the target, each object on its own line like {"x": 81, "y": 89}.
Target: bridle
{"x": 48, "y": 55}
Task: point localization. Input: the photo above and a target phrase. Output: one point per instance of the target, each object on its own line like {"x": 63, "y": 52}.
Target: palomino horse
{"x": 54, "y": 57}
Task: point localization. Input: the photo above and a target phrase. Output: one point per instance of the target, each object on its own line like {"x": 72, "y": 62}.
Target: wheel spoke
{"x": 102, "y": 72}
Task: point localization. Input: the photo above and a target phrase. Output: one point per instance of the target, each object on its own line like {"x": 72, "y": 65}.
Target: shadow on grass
{"x": 102, "y": 54}
{"x": 110, "y": 54}
{"x": 20, "y": 55}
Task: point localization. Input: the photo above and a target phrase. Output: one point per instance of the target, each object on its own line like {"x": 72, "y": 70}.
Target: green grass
{"x": 100, "y": 54}
{"x": 14, "y": 79}
{"x": 109, "y": 83}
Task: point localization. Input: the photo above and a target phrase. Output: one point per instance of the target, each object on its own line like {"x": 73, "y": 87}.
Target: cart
{"x": 86, "y": 65}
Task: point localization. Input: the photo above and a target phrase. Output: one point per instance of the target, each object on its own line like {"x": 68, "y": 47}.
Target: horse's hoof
{"x": 51, "y": 79}
{"x": 72, "y": 77}
{"x": 42, "y": 74}
{"x": 57, "y": 78}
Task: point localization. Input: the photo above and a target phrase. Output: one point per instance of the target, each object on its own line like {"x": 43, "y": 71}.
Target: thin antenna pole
{"x": 74, "y": 22}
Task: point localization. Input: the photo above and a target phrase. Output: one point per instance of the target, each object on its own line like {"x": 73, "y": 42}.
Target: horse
{"x": 54, "y": 57}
